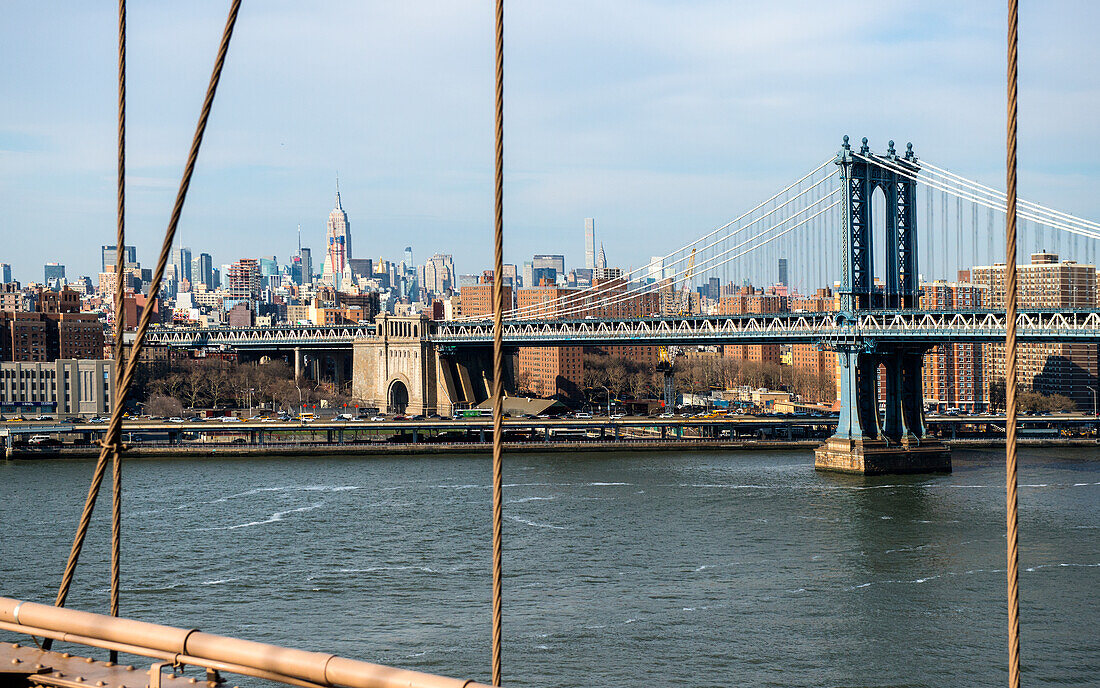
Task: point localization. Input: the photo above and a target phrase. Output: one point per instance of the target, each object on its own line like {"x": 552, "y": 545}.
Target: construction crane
{"x": 685, "y": 303}
{"x": 666, "y": 355}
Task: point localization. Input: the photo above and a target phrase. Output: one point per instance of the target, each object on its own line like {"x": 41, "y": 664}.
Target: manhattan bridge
{"x": 875, "y": 224}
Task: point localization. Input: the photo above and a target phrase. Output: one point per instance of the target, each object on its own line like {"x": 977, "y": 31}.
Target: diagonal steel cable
{"x": 498, "y": 348}
{"x": 126, "y": 379}
{"x": 1012, "y": 516}
{"x": 120, "y": 322}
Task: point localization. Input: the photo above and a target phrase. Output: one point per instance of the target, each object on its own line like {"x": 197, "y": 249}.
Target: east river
{"x": 701, "y": 569}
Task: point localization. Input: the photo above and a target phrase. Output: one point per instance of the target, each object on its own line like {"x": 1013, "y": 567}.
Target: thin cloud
{"x": 645, "y": 114}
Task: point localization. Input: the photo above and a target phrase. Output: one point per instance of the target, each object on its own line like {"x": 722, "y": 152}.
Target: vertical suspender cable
{"x": 1011, "y": 500}
{"x": 498, "y": 345}
{"x": 113, "y": 428}
{"x": 120, "y": 321}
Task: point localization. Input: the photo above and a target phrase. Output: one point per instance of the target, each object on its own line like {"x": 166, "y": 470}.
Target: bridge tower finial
{"x": 846, "y": 146}
{"x": 890, "y": 149}
{"x": 909, "y": 155}
{"x": 865, "y": 149}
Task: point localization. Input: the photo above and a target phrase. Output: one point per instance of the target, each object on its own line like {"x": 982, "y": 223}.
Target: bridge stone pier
{"x": 400, "y": 370}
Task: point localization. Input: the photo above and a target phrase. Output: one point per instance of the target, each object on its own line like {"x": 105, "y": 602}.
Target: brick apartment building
{"x": 955, "y": 374}
{"x": 477, "y": 299}
{"x": 547, "y": 370}
{"x": 617, "y": 298}
{"x": 748, "y": 300}
{"x": 808, "y": 357}
{"x": 56, "y": 330}
{"x": 1047, "y": 368}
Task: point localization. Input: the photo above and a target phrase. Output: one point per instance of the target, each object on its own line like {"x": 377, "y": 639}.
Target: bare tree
{"x": 161, "y": 405}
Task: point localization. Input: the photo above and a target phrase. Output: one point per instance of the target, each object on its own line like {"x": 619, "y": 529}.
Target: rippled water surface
{"x": 621, "y": 570}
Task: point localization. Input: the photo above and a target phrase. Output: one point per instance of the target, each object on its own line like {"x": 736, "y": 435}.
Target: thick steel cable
{"x": 633, "y": 293}
{"x": 120, "y": 321}
{"x": 587, "y": 291}
{"x": 114, "y": 427}
{"x": 957, "y": 191}
{"x": 1000, "y": 196}
{"x": 1012, "y": 516}
{"x": 498, "y": 349}
{"x": 581, "y": 301}
{"x": 683, "y": 249}
{"x": 581, "y": 297}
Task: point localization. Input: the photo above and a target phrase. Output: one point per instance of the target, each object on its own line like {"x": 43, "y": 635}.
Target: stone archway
{"x": 398, "y": 397}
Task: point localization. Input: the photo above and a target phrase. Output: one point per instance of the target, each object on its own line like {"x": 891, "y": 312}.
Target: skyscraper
{"x": 242, "y": 281}
{"x": 338, "y": 252}
{"x": 129, "y": 254}
{"x": 783, "y": 272}
{"x": 269, "y": 266}
{"x": 307, "y": 265}
{"x": 202, "y": 271}
{"x": 589, "y": 243}
{"x": 409, "y": 257}
{"x": 181, "y": 259}
{"x": 5, "y": 273}
{"x": 438, "y": 274}
{"x": 656, "y": 268}
{"x": 548, "y": 267}
{"x": 53, "y": 271}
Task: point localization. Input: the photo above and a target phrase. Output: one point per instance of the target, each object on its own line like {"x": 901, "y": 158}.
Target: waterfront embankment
{"x": 211, "y": 450}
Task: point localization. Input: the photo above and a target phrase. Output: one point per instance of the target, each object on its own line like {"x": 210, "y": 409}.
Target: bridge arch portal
{"x": 397, "y": 397}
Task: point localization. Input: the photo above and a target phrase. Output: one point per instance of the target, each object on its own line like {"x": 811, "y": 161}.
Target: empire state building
{"x": 338, "y": 254}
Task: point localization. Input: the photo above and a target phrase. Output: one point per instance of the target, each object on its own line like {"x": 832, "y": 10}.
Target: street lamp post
{"x": 608, "y": 400}
{"x": 299, "y": 398}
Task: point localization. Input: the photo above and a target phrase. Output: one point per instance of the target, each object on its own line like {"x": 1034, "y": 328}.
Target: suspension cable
{"x": 123, "y": 387}
{"x": 970, "y": 190}
{"x": 120, "y": 322}
{"x": 498, "y": 349}
{"x": 640, "y": 290}
{"x": 1012, "y": 516}
{"x": 968, "y": 196}
{"x": 620, "y": 297}
{"x": 589, "y": 290}
{"x": 1000, "y": 195}
{"x": 578, "y": 300}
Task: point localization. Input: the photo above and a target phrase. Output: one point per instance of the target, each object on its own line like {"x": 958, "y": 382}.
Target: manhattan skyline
{"x": 637, "y": 118}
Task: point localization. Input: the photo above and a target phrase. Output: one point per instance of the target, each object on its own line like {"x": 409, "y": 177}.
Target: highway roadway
{"x": 215, "y": 426}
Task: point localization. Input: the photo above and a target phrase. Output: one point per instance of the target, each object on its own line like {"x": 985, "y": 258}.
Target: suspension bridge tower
{"x": 881, "y": 427}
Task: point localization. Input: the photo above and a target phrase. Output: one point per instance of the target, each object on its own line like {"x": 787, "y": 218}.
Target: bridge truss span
{"x": 828, "y": 328}
{"x": 303, "y": 336}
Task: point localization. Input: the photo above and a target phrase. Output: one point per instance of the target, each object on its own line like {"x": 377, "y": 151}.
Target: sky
{"x": 662, "y": 120}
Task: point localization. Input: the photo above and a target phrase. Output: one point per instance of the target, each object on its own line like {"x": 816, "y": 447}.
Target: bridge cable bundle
{"x": 938, "y": 179}
{"x": 738, "y": 250}
{"x": 498, "y": 347}
{"x": 805, "y": 202}
{"x": 1012, "y": 516}
{"x": 123, "y": 379}
{"x": 113, "y": 441}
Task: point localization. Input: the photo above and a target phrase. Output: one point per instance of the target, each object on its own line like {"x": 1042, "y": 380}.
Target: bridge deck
{"x": 896, "y": 326}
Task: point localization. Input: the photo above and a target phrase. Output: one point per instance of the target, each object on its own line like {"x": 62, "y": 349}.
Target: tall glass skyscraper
{"x": 202, "y": 270}
{"x": 55, "y": 272}
{"x": 181, "y": 259}
{"x": 590, "y": 243}
{"x": 108, "y": 257}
